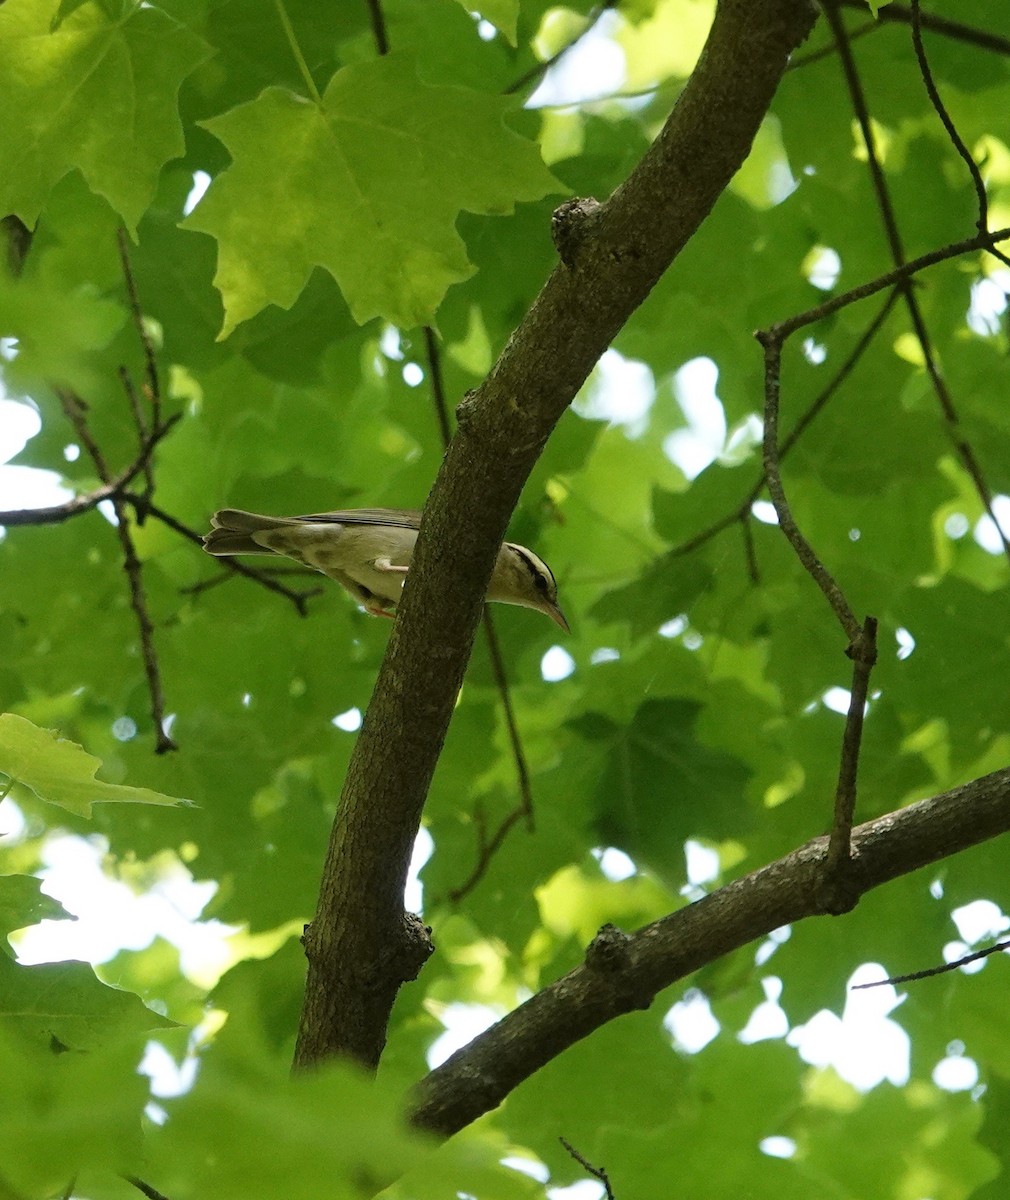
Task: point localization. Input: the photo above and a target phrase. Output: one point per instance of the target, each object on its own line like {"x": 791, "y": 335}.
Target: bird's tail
{"x": 232, "y": 532}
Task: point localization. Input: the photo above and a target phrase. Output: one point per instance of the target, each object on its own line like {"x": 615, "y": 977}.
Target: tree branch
{"x": 596, "y": 1172}
{"x": 75, "y": 410}
{"x": 622, "y": 973}
{"x": 787, "y": 523}
{"x": 901, "y": 14}
{"x": 613, "y": 259}
{"x": 962, "y": 446}
{"x": 929, "y": 972}
{"x": 57, "y": 513}
{"x": 837, "y": 897}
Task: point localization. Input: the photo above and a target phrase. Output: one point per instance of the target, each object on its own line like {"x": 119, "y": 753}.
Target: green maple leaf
{"x": 368, "y": 185}
{"x": 62, "y": 772}
{"x": 92, "y": 93}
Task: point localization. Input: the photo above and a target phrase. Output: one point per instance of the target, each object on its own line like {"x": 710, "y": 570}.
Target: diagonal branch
{"x": 612, "y": 261}
{"x": 596, "y": 1172}
{"x": 487, "y": 847}
{"x": 957, "y": 31}
{"x": 57, "y": 513}
{"x": 625, "y": 972}
{"x": 955, "y": 965}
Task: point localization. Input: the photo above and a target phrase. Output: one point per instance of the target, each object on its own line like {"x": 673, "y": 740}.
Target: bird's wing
{"x": 402, "y": 518}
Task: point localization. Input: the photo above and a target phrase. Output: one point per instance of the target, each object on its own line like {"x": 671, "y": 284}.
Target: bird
{"x": 368, "y": 552}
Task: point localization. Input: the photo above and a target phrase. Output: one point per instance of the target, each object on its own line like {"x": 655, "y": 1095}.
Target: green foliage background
{"x": 286, "y": 309}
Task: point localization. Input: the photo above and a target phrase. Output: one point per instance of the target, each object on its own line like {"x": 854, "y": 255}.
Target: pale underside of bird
{"x": 368, "y": 551}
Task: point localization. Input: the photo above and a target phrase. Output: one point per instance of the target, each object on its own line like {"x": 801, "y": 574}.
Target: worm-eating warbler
{"x": 368, "y": 551}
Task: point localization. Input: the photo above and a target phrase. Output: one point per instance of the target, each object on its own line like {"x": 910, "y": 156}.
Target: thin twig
{"x": 843, "y": 372}
{"x": 863, "y": 652}
{"x": 378, "y": 26}
{"x": 437, "y": 385}
{"x": 749, "y": 549}
{"x": 804, "y": 551}
{"x": 487, "y": 848}
{"x": 525, "y": 808}
{"x": 74, "y": 408}
{"x": 596, "y": 1172}
{"x": 816, "y": 406}
{"x": 150, "y": 360}
{"x": 229, "y": 565}
{"x": 153, "y": 385}
{"x": 150, "y": 1192}
{"x": 981, "y": 241}
{"x": 982, "y": 223}
{"x": 951, "y": 966}
{"x": 956, "y": 30}
{"x": 536, "y": 72}
{"x": 889, "y": 219}
{"x": 57, "y": 513}
{"x": 515, "y": 741}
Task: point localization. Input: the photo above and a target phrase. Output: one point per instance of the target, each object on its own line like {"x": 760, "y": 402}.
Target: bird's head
{"x": 522, "y": 577}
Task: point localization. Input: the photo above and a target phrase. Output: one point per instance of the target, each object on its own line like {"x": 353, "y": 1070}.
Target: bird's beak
{"x": 558, "y": 617}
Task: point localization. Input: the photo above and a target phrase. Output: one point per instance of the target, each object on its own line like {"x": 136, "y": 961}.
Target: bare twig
{"x": 535, "y": 73}
{"x": 75, "y": 409}
{"x": 141, "y": 424}
{"x": 153, "y": 385}
{"x": 378, "y": 26}
{"x": 946, "y": 120}
{"x": 843, "y": 372}
{"x": 596, "y": 1172}
{"x": 75, "y": 412}
{"x": 437, "y": 384}
{"x": 749, "y": 549}
{"x": 150, "y": 1192}
{"x": 889, "y": 219}
{"x": 901, "y": 14}
{"x": 57, "y": 513}
{"x": 230, "y": 566}
{"x": 951, "y": 966}
{"x": 487, "y": 848}
{"x": 782, "y": 330}
{"x": 863, "y": 652}
{"x": 515, "y": 741}
{"x": 742, "y": 513}
{"x": 981, "y": 241}
{"x": 804, "y": 551}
